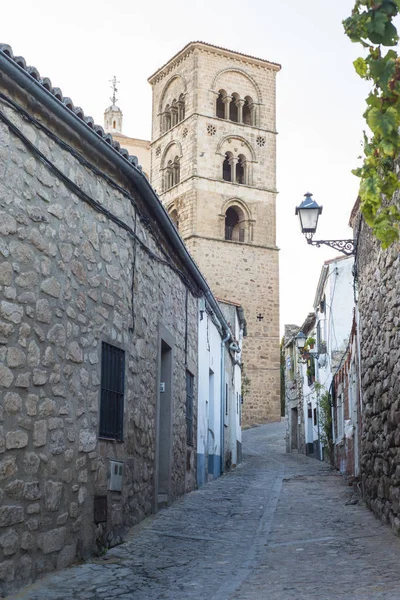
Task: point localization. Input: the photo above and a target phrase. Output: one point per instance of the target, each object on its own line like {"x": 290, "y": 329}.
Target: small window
{"x": 220, "y": 108}
{"x": 181, "y": 108}
{"x": 241, "y": 169}
{"x": 248, "y": 111}
{"x": 112, "y": 392}
{"x": 189, "y": 407}
{"x": 172, "y": 174}
{"x": 310, "y": 370}
{"x": 167, "y": 118}
{"x": 174, "y": 218}
{"x": 231, "y": 223}
{"x": 234, "y": 108}
{"x": 340, "y": 417}
{"x": 227, "y": 168}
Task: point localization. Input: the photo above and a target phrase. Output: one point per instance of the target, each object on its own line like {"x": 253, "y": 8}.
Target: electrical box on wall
{"x": 115, "y": 481}
{"x": 162, "y": 387}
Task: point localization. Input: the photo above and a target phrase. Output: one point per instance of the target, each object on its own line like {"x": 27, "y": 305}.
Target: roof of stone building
{"x": 274, "y": 65}
{"x": 46, "y": 83}
{"x": 291, "y": 331}
{"x": 309, "y": 323}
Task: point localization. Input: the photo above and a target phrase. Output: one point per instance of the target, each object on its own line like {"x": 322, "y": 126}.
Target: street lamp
{"x": 308, "y": 213}
{"x": 300, "y": 340}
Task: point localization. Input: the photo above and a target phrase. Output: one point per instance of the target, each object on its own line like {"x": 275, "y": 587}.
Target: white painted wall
{"x": 233, "y": 430}
{"x": 337, "y": 317}
{"x": 209, "y": 389}
{"x": 340, "y": 303}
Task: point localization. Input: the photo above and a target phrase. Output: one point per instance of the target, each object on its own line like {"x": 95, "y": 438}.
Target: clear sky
{"x": 81, "y": 45}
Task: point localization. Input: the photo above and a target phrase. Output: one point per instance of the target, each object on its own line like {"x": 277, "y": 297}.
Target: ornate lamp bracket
{"x": 344, "y": 246}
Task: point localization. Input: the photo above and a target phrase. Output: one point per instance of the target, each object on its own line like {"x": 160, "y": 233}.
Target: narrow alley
{"x": 280, "y": 526}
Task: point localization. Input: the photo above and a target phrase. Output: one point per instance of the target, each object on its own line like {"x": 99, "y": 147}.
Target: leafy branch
{"x": 371, "y": 25}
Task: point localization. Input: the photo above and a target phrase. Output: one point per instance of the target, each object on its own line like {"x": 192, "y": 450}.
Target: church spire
{"x": 113, "y": 114}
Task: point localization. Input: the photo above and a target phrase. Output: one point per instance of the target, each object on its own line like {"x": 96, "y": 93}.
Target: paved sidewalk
{"x": 276, "y": 528}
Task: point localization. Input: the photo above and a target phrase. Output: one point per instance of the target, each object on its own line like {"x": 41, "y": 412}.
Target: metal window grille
{"x": 112, "y": 392}
{"x": 189, "y": 407}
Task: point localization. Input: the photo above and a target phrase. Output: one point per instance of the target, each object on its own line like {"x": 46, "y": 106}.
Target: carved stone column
{"x": 239, "y": 103}
{"x": 227, "y": 103}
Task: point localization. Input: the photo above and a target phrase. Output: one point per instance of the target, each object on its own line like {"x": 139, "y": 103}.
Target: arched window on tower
{"x": 176, "y": 168}
{"x": 234, "y": 224}
{"x": 169, "y": 175}
{"x": 241, "y": 169}
{"x": 174, "y": 218}
{"x": 248, "y": 111}
{"x": 220, "y": 108}
{"x": 174, "y": 113}
{"x": 227, "y": 167}
{"x": 181, "y": 108}
{"x": 167, "y": 118}
{"x": 234, "y": 108}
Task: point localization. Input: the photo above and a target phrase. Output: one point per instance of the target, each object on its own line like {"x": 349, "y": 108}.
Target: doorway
{"x": 164, "y": 426}
{"x": 210, "y": 427}
{"x": 294, "y": 430}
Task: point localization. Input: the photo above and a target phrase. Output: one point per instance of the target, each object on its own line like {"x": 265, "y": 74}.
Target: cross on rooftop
{"x": 114, "y": 82}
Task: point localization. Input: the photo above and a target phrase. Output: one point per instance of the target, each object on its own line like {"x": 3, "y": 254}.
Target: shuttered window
{"x": 112, "y": 392}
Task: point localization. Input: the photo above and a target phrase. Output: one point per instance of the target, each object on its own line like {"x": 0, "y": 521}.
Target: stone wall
{"x": 66, "y": 286}
{"x": 256, "y": 287}
{"x": 379, "y": 308}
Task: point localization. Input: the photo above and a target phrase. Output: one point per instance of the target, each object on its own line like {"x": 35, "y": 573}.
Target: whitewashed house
{"x": 334, "y": 307}
{"x": 315, "y": 414}
{"x": 219, "y": 391}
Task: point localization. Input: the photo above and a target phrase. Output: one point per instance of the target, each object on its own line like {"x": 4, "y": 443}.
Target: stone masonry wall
{"x": 255, "y": 287}
{"x": 379, "y": 307}
{"x": 65, "y": 286}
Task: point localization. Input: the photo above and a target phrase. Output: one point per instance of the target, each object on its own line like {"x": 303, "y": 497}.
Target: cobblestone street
{"x": 278, "y": 527}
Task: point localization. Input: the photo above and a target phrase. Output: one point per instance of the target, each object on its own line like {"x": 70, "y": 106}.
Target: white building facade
{"x": 219, "y": 392}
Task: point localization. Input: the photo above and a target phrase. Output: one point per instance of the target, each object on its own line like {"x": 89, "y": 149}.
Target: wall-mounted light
{"x": 308, "y": 213}
{"x": 300, "y": 340}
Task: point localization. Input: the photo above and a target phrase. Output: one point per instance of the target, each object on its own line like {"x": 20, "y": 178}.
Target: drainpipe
{"x": 223, "y": 342}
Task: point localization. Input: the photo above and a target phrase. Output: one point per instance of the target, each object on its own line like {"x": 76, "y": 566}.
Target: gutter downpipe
{"x": 139, "y": 180}
{"x": 223, "y": 342}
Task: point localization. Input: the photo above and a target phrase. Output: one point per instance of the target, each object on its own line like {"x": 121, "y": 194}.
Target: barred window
{"x": 189, "y": 407}
{"x": 112, "y": 392}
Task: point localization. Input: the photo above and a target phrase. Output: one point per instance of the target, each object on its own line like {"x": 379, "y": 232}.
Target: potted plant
{"x": 310, "y": 341}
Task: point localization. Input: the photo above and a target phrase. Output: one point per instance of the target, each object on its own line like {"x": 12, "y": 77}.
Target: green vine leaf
{"x": 361, "y": 67}
{"x": 382, "y": 123}
{"x": 371, "y": 25}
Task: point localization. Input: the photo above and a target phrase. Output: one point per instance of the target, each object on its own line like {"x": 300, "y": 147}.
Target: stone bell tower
{"x": 213, "y": 164}
{"x": 113, "y": 114}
